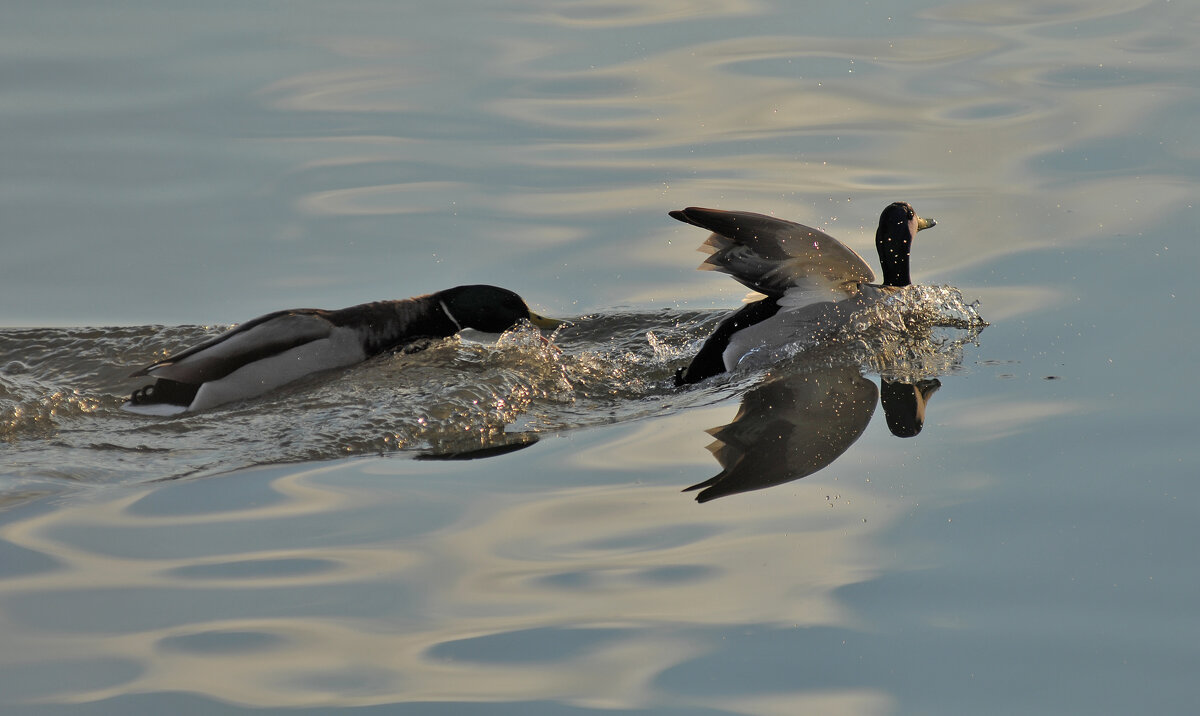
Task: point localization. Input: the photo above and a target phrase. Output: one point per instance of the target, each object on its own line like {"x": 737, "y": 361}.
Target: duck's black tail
{"x": 165, "y": 392}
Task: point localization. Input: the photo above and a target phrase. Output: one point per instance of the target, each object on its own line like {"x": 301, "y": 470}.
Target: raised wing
{"x": 264, "y": 336}
{"x": 777, "y": 257}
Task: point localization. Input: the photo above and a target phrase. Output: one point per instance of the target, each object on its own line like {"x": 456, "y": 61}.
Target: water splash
{"x": 61, "y": 390}
{"x": 918, "y": 332}
{"x": 914, "y": 333}
{"x": 918, "y": 307}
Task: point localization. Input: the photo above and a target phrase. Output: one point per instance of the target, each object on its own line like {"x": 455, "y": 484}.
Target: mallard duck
{"x": 272, "y": 350}
{"x": 813, "y": 283}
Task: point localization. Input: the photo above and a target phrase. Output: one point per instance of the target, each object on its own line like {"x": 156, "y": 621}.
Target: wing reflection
{"x": 791, "y": 427}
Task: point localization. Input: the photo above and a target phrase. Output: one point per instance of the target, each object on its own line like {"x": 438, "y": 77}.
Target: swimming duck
{"x": 278, "y": 348}
{"x": 813, "y": 282}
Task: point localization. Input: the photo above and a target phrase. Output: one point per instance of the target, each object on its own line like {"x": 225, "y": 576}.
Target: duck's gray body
{"x": 813, "y": 283}
{"x": 279, "y": 348}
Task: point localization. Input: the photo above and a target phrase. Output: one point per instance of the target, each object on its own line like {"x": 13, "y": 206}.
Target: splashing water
{"x": 916, "y": 332}
{"x": 908, "y": 336}
{"x": 61, "y": 390}
{"x": 919, "y": 306}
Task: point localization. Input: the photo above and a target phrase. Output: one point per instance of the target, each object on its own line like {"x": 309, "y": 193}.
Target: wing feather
{"x": 264, "y": 336}
{"x": 775, "y": 256}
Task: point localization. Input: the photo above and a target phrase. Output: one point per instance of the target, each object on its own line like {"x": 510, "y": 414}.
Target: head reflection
{"x": 904, "y": 404}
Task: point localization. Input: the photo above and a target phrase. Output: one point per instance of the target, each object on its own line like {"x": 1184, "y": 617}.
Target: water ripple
{"x": 61, "y": 390}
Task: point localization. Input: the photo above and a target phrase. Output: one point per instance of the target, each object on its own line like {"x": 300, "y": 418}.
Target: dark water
{"x": 501, "y": 527}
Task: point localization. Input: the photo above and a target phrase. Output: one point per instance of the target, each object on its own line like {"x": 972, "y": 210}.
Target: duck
{"x": 271, "y": 351}
{"x": 812, "y": 282}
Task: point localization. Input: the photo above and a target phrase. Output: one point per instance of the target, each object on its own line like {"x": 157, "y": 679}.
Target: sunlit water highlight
{"x": 60, "y": 390}
{"x": 178, "y": 164}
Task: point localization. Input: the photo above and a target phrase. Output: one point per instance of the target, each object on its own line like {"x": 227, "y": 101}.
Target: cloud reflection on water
{"x": 763, "y": 117}
{"x": 597, "y": 588}
{"x": 1033, "y": 131}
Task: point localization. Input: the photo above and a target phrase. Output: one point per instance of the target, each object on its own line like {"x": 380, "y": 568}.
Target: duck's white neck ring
{"x": 450, "y": 316}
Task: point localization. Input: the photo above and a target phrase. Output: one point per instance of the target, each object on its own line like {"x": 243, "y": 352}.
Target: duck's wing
{"x": 254, "y": 340}
{"x": 778, "y": 257}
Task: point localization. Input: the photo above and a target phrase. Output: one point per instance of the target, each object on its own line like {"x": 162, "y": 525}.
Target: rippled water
{"x": 500, "y": 526}
{"x": 61, "y": 390}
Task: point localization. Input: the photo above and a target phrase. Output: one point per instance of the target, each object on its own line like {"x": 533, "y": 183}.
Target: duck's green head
{"x": 489, "y": 308}
{"x": 898, "y": 226}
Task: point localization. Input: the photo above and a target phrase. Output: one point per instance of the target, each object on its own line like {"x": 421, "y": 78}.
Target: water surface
{"x": 170, "y": 170}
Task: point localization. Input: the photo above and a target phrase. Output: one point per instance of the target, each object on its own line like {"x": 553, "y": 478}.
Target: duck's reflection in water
{"x": 793, "y": 426}
{"x": 501, "y": 445}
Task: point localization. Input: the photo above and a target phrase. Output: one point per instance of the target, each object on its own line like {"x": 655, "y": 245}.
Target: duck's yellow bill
{"x": 543, "y": 322}
{"x": 925, "y": 223}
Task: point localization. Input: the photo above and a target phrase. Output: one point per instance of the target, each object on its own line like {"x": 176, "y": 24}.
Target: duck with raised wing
{"x": 813, "y": 282}
{"x": 278, "y": 348}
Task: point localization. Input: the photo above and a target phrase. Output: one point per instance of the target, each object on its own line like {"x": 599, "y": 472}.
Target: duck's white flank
{"x": 233, "y": 346}
{"x": 342, "y": 348}
{"x": 804, "y": 315}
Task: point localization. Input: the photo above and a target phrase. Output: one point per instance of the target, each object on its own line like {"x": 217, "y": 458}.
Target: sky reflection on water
{"x": 1029, "y": 552}
{"x": 338, "y": 583}
{"x": 547, "y": 164}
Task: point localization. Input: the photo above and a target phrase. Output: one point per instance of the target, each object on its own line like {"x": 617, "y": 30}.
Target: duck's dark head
{"x": 898, "y": 225}
{"x": 490, "y": 309}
